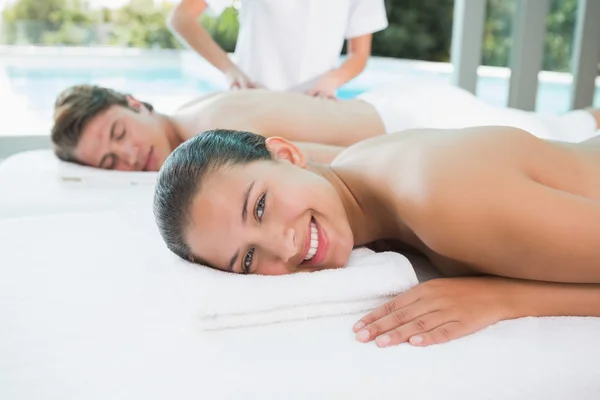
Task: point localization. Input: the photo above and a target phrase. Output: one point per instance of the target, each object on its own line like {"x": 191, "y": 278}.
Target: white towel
{"x": 368, "y": 280}
{"x": 71, "y": 172}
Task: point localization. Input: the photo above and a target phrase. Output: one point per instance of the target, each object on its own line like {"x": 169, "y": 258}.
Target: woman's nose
{"x": 282, "y": 243}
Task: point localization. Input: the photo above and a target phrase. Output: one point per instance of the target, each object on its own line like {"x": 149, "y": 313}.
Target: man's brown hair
{"x": 74, "y": 108}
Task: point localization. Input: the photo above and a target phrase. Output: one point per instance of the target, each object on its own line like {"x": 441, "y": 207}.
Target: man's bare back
{"x": 295, "y": 116}
{"x": 321, "y": 127}
{"x": 492, "y": 200}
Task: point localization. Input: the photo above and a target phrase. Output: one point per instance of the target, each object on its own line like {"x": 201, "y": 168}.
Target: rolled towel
{"x": 71, "y": 172}
{"x": 368, "y": 280}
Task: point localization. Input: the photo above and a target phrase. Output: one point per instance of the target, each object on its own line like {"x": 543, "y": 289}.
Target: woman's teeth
{"x": 314, "y": 242}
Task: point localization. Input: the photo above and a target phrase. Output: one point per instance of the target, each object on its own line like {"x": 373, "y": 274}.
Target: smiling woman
{"x": 265, "y": 216}
{"x": 476, "y": 201}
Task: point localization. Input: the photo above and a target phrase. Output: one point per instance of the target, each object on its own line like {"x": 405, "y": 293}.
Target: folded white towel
{"x": 368, "y": 280}
{"x": 71, "y": 172}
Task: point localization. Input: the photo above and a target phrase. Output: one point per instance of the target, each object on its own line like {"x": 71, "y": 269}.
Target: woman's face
{"x": 270, "y": 217}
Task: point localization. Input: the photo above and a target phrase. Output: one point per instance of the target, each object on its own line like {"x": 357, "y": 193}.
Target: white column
{"x": 586, "y": 54}
{"x": 467, "y": 40}
{"x": 527, "y": 52}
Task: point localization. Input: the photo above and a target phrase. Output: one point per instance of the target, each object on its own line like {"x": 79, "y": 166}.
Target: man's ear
{"x": 135, "y": 104}
{"x": 281, "y": 149}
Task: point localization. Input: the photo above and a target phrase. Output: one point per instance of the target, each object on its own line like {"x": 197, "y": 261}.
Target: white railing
{"x": 527, "y": 52}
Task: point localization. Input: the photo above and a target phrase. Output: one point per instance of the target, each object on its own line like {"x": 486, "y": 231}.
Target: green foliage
{"x": 141, "y": 24}
{"x": 560, "y": 30}
{"x": 418, "y": 29}
{"x": 224, "y": 28}
{"x": 422, "y": 29}
{"x": 497, "y": 41}
{"x": 35, "y": 19}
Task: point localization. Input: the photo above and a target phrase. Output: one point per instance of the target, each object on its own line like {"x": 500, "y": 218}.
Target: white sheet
{"x": 90, "y": 310}
{"x": 30, "y": 185}
{"x": 411, "y": 102}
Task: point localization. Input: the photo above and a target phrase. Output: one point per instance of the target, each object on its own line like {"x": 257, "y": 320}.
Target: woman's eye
{"x": 260, "y": 207}
{"x": 248, "y": 261}
{"x": 122, "y": 135}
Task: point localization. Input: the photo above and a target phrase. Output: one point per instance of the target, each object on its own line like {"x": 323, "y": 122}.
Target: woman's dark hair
{"x": 180, "y": 179}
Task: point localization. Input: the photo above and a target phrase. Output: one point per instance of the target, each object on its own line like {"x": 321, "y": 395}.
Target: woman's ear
{"x": 281, "y": 149}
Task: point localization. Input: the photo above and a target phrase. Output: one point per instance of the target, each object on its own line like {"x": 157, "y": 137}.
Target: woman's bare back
{"x": 492, "y": 200}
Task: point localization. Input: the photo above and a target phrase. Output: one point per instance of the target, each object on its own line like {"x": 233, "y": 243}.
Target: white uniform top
{"x": 284, "y": 43}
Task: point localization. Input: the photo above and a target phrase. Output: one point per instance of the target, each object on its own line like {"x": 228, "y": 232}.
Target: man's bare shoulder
{"x": 197, "y": 101}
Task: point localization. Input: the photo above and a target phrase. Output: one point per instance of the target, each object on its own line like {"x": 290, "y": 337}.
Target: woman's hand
{"x": 438, "y": 311}
{"x": 238, "y": 80}
{"x": 324, "y": 87}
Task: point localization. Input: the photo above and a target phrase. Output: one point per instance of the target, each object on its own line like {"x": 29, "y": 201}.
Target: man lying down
{"x": 103, "y": 128}
{"x": 511, "y": 220}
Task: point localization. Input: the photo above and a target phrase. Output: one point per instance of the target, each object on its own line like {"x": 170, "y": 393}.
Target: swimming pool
{"x": 31, "y": 79}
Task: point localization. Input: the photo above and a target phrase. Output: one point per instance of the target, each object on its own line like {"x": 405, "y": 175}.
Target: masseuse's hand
{"x": 324, "y": 88}
{"x": 238, "y": 80}
{"x": 437, "y": 311}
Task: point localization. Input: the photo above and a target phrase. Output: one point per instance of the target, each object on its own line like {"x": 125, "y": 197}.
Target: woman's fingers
{"x": 320, "y": 94}
{"x": 397, "y": 303}
{"x": 434, "y": 328}
{"x": 444, "y": 333}
{"x": 415, "y": 315}
{"x": 435, "y": 312}
{"x": 415, "y": 329}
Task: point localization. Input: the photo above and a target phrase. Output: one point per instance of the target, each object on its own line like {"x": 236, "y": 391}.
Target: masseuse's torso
{"x": 293, "y": 116}
{"x": 285, "y": 43}
{"x": 410, "y": 178}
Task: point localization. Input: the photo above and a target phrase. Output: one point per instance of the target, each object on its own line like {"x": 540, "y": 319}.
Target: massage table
{"x": 91, "y": 307}
{"x": 30, "y": 184}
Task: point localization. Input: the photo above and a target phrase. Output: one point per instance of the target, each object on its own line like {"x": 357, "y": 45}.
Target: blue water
{"x": 47, "y": 83}
{"x": 167, "y": 87}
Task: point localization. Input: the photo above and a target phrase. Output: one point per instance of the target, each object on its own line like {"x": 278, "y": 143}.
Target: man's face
{"x": 124, "y": 139}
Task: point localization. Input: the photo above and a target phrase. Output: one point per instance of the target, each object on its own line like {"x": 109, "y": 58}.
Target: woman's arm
{"x": 359, "y": 51}
{"x": 441, "y": 310}
{"x": 183, "y": 22}
{"x": 364, "y": 18}
{"x": 546, "y": 299}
